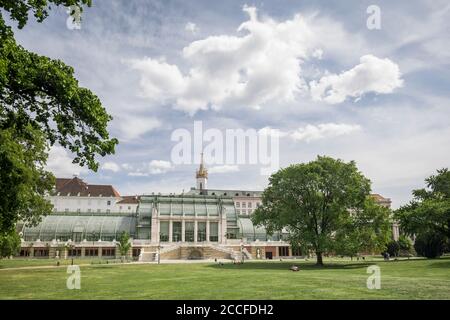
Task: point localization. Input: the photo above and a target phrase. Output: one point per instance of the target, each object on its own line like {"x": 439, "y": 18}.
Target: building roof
{"x": 77, "y": 187}
{"x": 54, "y": 226}
{"x": 229, "y": 193}
{"x": 379, "y": 198}
{"x": 129, "y": 200}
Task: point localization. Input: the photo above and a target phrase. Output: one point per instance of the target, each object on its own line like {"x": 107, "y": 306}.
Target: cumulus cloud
{"x": 132, "y": 127}
{"x": 111, "y": 166}
{"x": 60, "y": 163}
{"x": 372, "y": 74}
{"x": 224, "y": 169}
{"x": 152, "y": 167}
{"x": 259, "y": 65}
{"x": 322, "y": 131}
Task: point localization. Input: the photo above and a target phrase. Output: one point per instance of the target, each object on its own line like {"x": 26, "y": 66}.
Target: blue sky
{"x": 311, "y": 69}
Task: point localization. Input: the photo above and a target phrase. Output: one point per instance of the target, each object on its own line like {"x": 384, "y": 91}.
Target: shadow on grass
{"x": 285, "y": 265}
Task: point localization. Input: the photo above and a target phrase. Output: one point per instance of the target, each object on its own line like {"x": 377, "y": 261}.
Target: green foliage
{"x": 9, "y": 244}
{"x": 41, "y": 104}
{"x": 19, "y": 9}
{"x": 124, "y": 243}
{"x": 428, "y": 215}
{"x": 324, "y": 204}
{"x": 430, "y": 245}
{"x": 23, "y": 180}
{"x": 429, "y": 211}
{"x": 404, "y": 243}
{"x": 393, "y": 248}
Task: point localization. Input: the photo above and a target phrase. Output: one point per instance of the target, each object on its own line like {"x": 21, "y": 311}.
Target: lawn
{"x": 408, "y": 279}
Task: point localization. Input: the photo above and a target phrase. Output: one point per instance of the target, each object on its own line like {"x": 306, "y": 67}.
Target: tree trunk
{"x": 319, "y": 259}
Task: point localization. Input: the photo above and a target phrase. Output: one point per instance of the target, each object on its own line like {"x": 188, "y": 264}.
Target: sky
{"x": 317, "y": 71}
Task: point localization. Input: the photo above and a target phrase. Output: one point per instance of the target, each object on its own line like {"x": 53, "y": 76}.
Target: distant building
{"x": 202, "y": 223}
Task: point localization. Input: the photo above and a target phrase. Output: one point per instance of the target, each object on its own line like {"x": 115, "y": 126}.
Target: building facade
{"x": 201, "y": 224}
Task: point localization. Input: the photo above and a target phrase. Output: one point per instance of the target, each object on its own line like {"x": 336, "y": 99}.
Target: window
{"x": 98, "y": 210}
{"x": 78, "y": 210}
{"x": 110, "y": 252}
{"x": 164, "y": 231}
{"x": 201, "y": 231}
{"x": 238, "y": 204}
{"x": 74, "y": 252}
{"x": 91, "y": 252}
{"x": 213, "y": 232}
{"x": 24, "y": 253}
{"x": 258, "y": 204}
{"x": 108, "y": 202}
{"x": 129, "y": 207}
{"x": 66, "y": 209}
{"x": 249, "y": 205}
{"x": 283, "y": 251}
{"x": 176, "y": 231}
{"x": 243, "y": 204}
{"x": 41, "y": 252}
{"x": 108, "y": 211}
{"x": 136, "y": 252}
{"x": 120, "y": 207}
{"x": 189, "y": 232}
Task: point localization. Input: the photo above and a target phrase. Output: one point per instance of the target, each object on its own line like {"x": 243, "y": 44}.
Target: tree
{"x": 9, "y": 244}
{"x": 428, "y": 215}
{"x": 430, "y": 245}
{"x": 393, "y": 248}
{"x": 325, "y": 206}
{"x": 124, "y": 243}
{"x": 41, "y": 104}
{"x": 367, "y": 230}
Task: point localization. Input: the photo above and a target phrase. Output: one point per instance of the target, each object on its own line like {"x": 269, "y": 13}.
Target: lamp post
{"x": 159, "y": 249}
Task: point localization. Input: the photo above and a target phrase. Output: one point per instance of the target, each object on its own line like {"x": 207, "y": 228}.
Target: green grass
{"x": 407, "y": 279}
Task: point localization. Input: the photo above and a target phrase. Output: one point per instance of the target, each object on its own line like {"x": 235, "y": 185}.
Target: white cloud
{"x": 153, "y": 167}
{"x": 371, "y": 75}
{"x": 253, "y": 69}
{"x": 224, "y": 169}
{"x": 111, "y": 166}
{"x": 132, "y": 127}
{"x": 60, "y": 163}
{"x": 191, "y": 27}
{"x": 322, "y": 131}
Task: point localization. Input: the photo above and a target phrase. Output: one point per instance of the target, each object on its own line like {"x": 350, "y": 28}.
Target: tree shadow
{"x": 286, "y": 265}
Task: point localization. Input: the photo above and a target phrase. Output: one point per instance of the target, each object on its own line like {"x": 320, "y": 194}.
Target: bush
{"x": 393, "y": 248}
{"x": 430, "y": 245}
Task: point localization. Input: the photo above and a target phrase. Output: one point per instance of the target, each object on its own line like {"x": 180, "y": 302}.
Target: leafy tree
{"x": 404, "y": 244}
{"x": 324, "y": 205}
{"x": 9, "y": 244}
{"x": 41, "y": 104}
{"x": 367, "y": 230}
{"x": 428, "y": 215}
{"x": 124, "y": 243}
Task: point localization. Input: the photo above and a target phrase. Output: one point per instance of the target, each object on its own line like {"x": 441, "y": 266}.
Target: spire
{"x": 202, "y": 172}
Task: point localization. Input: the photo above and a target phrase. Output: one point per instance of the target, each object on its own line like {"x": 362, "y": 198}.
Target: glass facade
{"x": 201, "y": 231}
{"x": 189, "y": 231}
{"x": 176, "y": 231}
{"x": 164, "y": 231}
{"x": 213, "y": 231}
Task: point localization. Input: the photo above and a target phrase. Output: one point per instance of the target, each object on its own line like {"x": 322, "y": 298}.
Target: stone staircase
{"x": 147, "y": 256}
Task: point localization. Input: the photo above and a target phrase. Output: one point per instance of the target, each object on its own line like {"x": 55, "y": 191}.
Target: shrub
{"x": 430, "y": 245}
{"x": 393, "y": 248}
